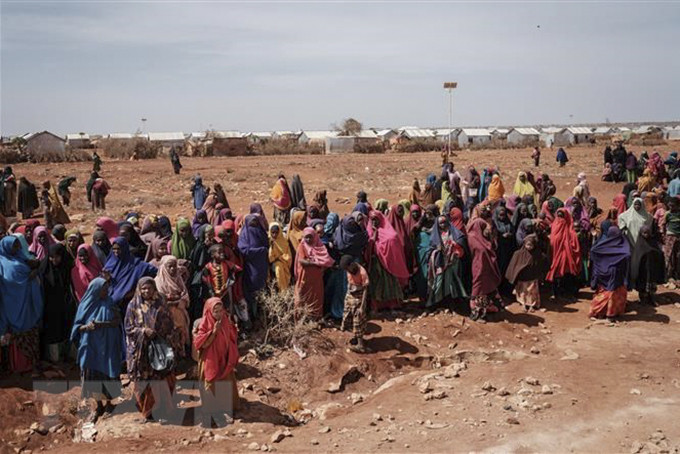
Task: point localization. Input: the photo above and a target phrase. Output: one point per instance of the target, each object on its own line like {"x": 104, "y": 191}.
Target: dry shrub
{"x": 418, "y": 145}
{"x": 11, "y": 155}
{"x": 372, "y": 148}
{"x": 124, "y": 149}
{"x": 284, "y": 146}
{"x": 282, "y": 323}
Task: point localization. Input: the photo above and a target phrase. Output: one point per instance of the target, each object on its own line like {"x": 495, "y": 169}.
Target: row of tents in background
{"x": 234, "y": 143}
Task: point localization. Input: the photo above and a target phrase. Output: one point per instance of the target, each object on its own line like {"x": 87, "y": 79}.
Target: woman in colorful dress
{"x": 566, "y": 255}
{"x": 485, "y": 274}
{"x": 445, "y": 282}
{"x": 610, "y": 260}
{"x": 216, "y": 342}
{"x": 148, "y": 318}
{"x": 170, "y": 284}
{"x": 311, "y": 260}
{"x": 525, "y": 271}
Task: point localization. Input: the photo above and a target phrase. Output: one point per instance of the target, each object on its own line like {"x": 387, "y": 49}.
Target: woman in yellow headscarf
{"x": 496, "y": 188}
{"x": 522, "y": 186}
{"x": 646, "y": 182}
{"x": 298, "y": 222}
{"x": 280, "y": 257}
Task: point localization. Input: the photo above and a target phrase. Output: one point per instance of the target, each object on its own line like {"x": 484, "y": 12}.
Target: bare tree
{"x": 349, "y": 127}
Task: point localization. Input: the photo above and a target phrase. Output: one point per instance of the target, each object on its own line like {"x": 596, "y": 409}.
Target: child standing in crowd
{"x": 355, "y": 315}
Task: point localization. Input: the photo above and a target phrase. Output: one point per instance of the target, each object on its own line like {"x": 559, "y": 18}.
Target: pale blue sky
{"x": 101, "y": 66}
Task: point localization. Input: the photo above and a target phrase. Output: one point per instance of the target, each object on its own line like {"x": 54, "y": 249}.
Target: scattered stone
{"x": 487, "y": 386}
{"x": 56, "y": 428}
{"x": 264, "y": 448}
{"x": 356, "y": 398}
{"x": 455, "y": 333}
{"x": 503, "y": 392}
{"x": 377, "y": 417}
{"x": 507, "y": 407}
{"x": 512, "y": 420}
{"x": 532, "y": 381}
{"x": 546, "y": 389}
{"x": 253, "y": 446}
{"x": 524, "y": 392}
{"x": 636, "y": 447}
{"x": 453, "y": 345}
{"x": 352, "y": 375}
{"x": 535, "y": 350}
{"x": 425, "y": 387}
{"x": 314, "y": 441}
{"x": 277, "y": 437}
{"x": 326, "y": 410}
{"x": 635, "y": 391}
{"x": 546, "y": 405}
{"x": 324, "y": 430}
{"x": 39, "y": 429}
{"x": 436, "y": 395}
{"x": 273, "y": 389}
{"x": 569, "y": 355}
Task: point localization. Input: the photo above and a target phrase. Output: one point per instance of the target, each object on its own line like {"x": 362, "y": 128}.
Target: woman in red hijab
{"x": 311, "y": 261}
{"x": 566, "y": 255}
{"x": 457, "y": 220}
{"x": 486, "y": 276}
{"x": 215, "y": 339}
{"x": 387, "y": 269}
{"x": 396, "y": 220}
{"x": 620, "y": 203}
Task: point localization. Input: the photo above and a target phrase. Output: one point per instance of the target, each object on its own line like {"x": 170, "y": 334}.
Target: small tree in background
{"x": 349, "y": 127}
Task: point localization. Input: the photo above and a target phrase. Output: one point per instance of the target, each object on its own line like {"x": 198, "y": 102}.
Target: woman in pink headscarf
{"x": 108, "y": 226}
{"x": 86, "y": 269}
{"x": 42, "y": 240}
{"x": 387, "y": 269}
{"x": 170, "y": 284}
{"x": 311, "y": 261}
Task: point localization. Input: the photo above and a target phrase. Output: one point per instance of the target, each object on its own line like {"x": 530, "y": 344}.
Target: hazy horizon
{"x": 100, "y": 67}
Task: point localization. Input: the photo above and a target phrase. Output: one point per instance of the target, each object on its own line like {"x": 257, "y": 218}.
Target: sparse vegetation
{"x": 282, "y": 323}
{"x": 282, "y": 147}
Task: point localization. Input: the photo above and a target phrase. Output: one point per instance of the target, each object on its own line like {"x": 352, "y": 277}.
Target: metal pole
{"x": 448, "y": 152}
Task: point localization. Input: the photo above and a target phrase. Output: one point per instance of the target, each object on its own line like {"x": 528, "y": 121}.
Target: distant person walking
{"x": 562, "y": 157}
{"x": 174, "y": 158}
{"x": 64, "y": 191}
{"x": 96, "y": 162}
{"x": 536, "y": 156}
{"x": 100, "y": 189}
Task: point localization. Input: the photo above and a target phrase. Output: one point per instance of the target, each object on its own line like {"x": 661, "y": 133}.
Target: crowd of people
{"x": 145, "y": 295}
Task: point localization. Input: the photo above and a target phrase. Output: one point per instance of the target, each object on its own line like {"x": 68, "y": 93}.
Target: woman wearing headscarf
{"x": 137, "y": 246}
{"x": 505, "y": 243}
{"x": 546, "y": 188}
{"x": 521, "y": 212}
{"x": 496, "y": 189}
{"x": 170, "y": 284}
{"x": 311, "y": 260}
{"x": 350, "y": 237}
{"x": 42, "y": 241}
{"x": 578, "y": 212}
{"x": 10, "y": 192}
{"x": 94, "y": 176}
{"x": 607, "y": 173}
{"x": 335, "y": 282}
{"x": 427, "y": 196}
{"x": 156, "y": 251}
{"x": 656, "y": 167}
{"x": 215, "y": 339}
{"x": 72, "y": 239}
{"x": 671, "y": 243}
{"x": 223, "y": 215}
{"x": 183, "y": 240}
{"x": 561, "y": 157}
{"x": 97, "y": 337}
{"x": 321, "y": 200}
{"x": 566, "y": 255}
{"x": 415, "y": 194}
{"x": 386, "y": 261}
{"x": 297, "y": 194}
{"x": 200, "y": 219}
{"x": 298, "y": 222}
{"x": 256, "y": 208}
{"x": 444, "y": 275}
{"x": 59, "y": 308}
{"x": 632, "y": 220}
{"x": 646, "y": 182}
{"x": 109, "y": 226}
{"x": 527, "y": 226}
{"x": 210, "y": 207}
{"x": 631, "y": 167}
{"x": 148, "y": 318}
{"x": 596, "y": 215}
{"x": 382, "y": 205}
{"x": 125, "y": 270}
{"x": 522, "y": 186}
{"x": 485, "y": 274}
{"x": 221, "y": 195}
{"x": 101, "y": 246}
{"x": 280, "y": 257}
{"x": 619, "y": 203}
{"x": 525, "y": 271}
{"x": 610, "y": 261}
{"x": 399, "y": 226}
{"x": 87, "y": 268}
{"x": 198, "y": 192}
{"x": 254, "y": 247}
{"x": 281, "y": 199}
{"x": 21, "y": 305}
{"x": 647, "y": 266}
{"x": 27, "y": 200}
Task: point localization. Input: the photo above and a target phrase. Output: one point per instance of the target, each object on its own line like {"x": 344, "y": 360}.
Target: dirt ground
{"x": 550, "y": 381}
